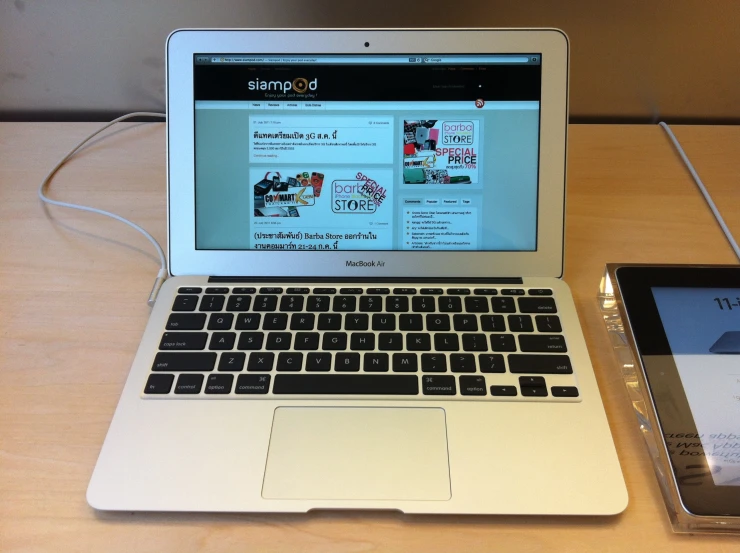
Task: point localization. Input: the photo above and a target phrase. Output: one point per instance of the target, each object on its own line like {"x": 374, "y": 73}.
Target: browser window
{"x": 357, "y": 152}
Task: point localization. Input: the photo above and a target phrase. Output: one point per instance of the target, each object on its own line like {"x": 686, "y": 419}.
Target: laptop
{"x": 365, "y": 308}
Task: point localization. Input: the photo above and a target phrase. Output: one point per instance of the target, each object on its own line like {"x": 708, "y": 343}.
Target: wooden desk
{"x": 72, "y": 301}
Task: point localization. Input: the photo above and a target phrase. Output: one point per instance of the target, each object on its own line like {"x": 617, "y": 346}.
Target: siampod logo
{"x": 299, "y": 85}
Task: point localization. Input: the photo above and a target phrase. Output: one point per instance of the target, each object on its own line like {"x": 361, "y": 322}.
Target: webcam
{"x": 367, "y": 44}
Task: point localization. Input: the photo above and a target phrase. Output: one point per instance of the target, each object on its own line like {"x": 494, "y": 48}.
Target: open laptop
{"x": 365, "y": 309}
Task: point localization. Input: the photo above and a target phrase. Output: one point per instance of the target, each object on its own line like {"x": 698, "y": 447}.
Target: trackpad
{"x": 357, "y": 453}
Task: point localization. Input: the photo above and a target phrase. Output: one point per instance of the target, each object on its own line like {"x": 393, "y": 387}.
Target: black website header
{"x": 363, "y": 82}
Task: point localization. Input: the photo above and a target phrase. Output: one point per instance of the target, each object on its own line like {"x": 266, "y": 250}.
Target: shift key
{"x": 539, "y": 364}
{"x": 200, "y": 361}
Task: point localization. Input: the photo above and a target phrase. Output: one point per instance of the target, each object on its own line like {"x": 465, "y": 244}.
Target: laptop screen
{"x": 367, "y": 152}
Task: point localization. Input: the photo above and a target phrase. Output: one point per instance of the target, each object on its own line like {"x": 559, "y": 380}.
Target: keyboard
{"x": 485, "y": 344}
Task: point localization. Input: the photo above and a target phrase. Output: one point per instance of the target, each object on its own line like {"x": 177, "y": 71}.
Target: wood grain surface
{"x": 73, "y": 290}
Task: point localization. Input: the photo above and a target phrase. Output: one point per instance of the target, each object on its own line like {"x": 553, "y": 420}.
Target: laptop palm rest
{"x": 357, "y": 453}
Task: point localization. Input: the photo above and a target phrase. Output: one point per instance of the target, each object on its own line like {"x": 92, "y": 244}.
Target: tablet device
{"x": 684, "y": 322}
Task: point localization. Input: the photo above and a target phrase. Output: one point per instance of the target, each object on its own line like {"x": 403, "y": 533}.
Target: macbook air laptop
{"x": 365, "y": 308}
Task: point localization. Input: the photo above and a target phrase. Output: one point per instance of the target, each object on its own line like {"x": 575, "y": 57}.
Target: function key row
{"x": 372, "y": 291}
{"x": 349, "y": 303}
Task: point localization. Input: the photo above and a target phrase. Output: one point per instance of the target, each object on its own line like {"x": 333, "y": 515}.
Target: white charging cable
{"x": 162, "y": 274}
{"x": 702, "y": 189}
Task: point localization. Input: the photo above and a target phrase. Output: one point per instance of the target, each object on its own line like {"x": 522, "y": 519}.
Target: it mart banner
{"x": 441, "y": 151}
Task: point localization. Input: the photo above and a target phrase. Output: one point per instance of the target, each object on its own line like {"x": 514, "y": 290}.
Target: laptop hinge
{"x": 493, "y": 280}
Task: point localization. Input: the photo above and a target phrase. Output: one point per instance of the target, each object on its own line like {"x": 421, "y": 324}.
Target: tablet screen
{"x": 702, "y": 326}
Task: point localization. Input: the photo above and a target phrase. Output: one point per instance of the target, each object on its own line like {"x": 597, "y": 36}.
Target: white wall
{"x": 630, "y": 59}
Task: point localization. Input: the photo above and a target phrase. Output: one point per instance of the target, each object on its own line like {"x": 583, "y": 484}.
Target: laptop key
{"x": 450, "y": 304}
{"x": 360, "y": 341}
{"x": 526, "y": 363}
{"x": 334, "y": 341}
{"x": 404, "y": 291}
{"x": 446, "y": 342}
{"x": 491, "y": 363}
{"x": 465, "y": 322}
{"x": 485, "y": 292}
{"x": 384, "y": 322}
{"x": 302, "y": 321}
{"x": 433, "y": 363}
{"x": 212, "y": 303}
{"x": 297, "y": 290}
{"x": 462, "y": 363}
{"x": 417, "y": 341}
{"x": 250, "y": 340}
{"x": 219, "y": 384}
{"x": 159, "y": 384}
{"x": 324, "y": 290}
{"x": 217, "y": 290}
{"x": 186, "y": 321}
{"x": 252, "y": 384}
{"x": 238, "y": 303}
{"x": 438, "y": 322}
{"x": 183, "y": 340}
{"x": 220, "y": 321}
{"x": 472, "y": 385}
{"x": 275, "y": 321}
{"x": 410, "y": 322}
{"x": 512, "y": 292}
{"x": 265, "y": 303}
{"x": 543, "y": 343}
{"x": 350, "y": 291}
{"x": 189, "y": 290}
{"x": 356, "y": 321}
{"x": 289, "y": 361}
{"x": 503, "y": 391}
{"x": 476, "y": 304}
{"x": 432, "y": 291}
{"x": 317, "y": 303}
{"x": 458, "y": 291}
{"x": 330, "y": 321}
{"x": 438, "y": 385}
{"x": 189, "y": 384}
{"x": 185, "y": 303}
{"x": 306, "y": 341}
{"x": 222, "y": 340}
{"x": 532, "y": 381}
{"x": 261, "y": 361}
{"x": 371, "y": 303}
{"x": 396, "y": 304}
{"x": 278, "y": 340}
{"x": 548, "y": 323}
{"x": 492, "y": 323}
{"x": 520, "y": 323}
{"x": 232, "y": 361}
{"x": 474, "y": 342}
{"x": 318, "y": 361}
{"x": 248, "y": 321}
{"x": 344, "y": 303}
{"x": 422, "y": 304}
{"x": 378, "y": 291}
{"x": 534, "y": 391}
{"x": 390, "y": 341}
{"x": 537, "y": 305}
{"x": 503, "y": 342}
{"x": 503, "y": 305}
{"x": 540, "y": 292}
{"x": 180, "y": 362}
{"x": 346, "y": 384}
{"x": 405, "y": 363}
{"x": 375, "y": 362}
{"x": 291, "y": 303}
{"x": 564, "y": 391}
{"x": 243, "y": 290}
{"x": 347, "y": 362}
{"x": 271, "y": 290}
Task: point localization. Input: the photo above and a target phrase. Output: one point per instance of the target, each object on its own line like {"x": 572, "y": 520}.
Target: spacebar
{"x": 371, "y": 384}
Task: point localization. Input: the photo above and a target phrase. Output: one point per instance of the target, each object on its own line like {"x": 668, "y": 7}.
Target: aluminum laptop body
{"x": 366, "y": 232}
